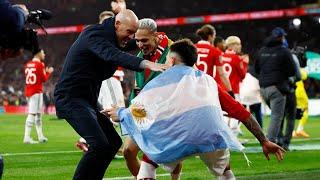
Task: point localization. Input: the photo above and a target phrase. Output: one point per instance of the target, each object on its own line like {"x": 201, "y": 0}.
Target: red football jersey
{"x": 208, "y": 58}
{"x": 35, "y": 76}
{"x": 234, "y": 68}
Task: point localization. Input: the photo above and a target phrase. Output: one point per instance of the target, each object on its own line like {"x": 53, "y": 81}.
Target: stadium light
{"x": 296, "y": 22}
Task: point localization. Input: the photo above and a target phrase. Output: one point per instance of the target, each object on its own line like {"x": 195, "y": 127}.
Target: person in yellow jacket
{"x": 302, "y": 103}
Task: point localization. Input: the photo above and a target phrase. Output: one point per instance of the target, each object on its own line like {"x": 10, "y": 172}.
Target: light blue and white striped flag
{"x": 182, "y": 116}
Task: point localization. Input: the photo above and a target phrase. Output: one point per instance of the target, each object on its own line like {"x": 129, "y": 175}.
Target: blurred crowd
{"x": 86, "y": 12}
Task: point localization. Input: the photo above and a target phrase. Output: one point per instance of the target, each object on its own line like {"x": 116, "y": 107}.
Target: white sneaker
{"x": 43, "y": 140}
{"x": 118, "y": 157}
{"x": 30, "y": 141}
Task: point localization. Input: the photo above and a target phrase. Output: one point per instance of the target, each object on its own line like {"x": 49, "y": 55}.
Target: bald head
{"x": 126, "y": 24}
{"x": 127, "y": 16}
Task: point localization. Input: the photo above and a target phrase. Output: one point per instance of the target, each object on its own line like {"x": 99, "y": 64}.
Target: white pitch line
{"x": 251, "y": 149}
{"x": 293, "y": 147}
{"x": 40, "y": 153}
{"x": 255, "y": 141}
{"x": 131, "y": 177}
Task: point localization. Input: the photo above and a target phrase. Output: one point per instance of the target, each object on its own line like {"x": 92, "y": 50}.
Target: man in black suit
{"x": 94, "y": 57}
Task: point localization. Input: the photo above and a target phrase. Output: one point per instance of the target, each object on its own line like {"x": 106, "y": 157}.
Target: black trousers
{"x": 98, "y": 131}
{"x": 256, "y": 110}
{"x": 1, "y": 166}
{"x": 284, "y": 138}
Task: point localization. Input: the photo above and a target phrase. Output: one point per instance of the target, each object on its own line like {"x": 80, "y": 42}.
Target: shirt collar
{"x": 36, "y": 59}
{"x": 204, "y": 42}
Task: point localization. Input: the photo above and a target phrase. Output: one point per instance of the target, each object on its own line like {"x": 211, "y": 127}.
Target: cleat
{"x": 43, "y": 140}
{"x": 30, "y": 141}
{"x": 294, "y": 134}
{"x": 243, "y": 141}
{"x": 302, "y": 134}
{"x": 118, "y": 156}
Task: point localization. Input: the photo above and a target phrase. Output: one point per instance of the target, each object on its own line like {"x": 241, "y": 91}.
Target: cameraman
{"x": 12, "y": 21}
{"x": 274, "y": 66}
{"x": 285, "y": 134}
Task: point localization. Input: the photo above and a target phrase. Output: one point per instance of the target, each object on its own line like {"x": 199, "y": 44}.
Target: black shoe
{"x": 285, "y": 147}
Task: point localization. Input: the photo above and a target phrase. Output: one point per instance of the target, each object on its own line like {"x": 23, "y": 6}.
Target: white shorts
{"x": 216, "y": 161}
{"x": 35, "y": 103}
{"x": 234, "y": 124}
{"x": 111, "y": 93}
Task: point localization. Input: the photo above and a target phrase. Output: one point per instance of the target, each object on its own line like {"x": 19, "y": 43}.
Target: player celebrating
{"x": 235, "y": 67}
{"x": 202, "y": 133}
{"x": 36, "y": 74}
{"x": 154, "y": 46}
{"x": 209, "y": 57}
{"x": 219, "y": 43}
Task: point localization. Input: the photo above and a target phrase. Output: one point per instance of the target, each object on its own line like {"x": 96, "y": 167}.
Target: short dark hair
{"x": 187, "y": 51}
{"x": 205, "y": 31}
{"x": 217, "y": 40}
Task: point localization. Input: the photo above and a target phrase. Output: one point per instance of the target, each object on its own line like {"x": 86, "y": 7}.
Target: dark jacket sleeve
{"x": 291, "y": 67}
{"x": 257, "y": 64}
{"x": 297, "y": 68}
{"x": 12, "y": 18}
{"x": 105, "y": 50}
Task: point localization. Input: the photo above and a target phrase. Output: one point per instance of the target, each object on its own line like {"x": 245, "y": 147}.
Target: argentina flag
{"x": 178, "y": 114}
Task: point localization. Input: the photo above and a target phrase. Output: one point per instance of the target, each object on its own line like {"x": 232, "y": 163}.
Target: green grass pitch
{"x": 58, "y": 158}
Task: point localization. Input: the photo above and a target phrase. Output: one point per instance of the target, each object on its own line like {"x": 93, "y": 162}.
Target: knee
{"x": 130, "y": 152}
{"x": 38, "y": 121}
{"x": 105, "y": 147}
{"x": 117, "y": 144}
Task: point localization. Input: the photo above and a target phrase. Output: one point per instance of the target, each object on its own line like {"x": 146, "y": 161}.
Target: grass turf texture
{"x": 62, "y": 161}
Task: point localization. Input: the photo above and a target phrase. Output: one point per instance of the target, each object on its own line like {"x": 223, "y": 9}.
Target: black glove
{"x": 231, "y": 94}
{"x": 299, "y": 113}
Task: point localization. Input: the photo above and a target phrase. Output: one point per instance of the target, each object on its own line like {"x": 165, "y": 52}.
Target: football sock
{"x": 146, "y": 171}
{"x": 38, "y": 123}
{"x": 227, "y": 175}
{"x": 28, "y": 126}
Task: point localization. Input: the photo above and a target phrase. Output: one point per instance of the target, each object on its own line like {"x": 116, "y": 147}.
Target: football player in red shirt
{"x": 235, "y": 67}
{"x": 209, "y": 57}
{"x": 219, "y": 43}
{"x": 36, "y": 74}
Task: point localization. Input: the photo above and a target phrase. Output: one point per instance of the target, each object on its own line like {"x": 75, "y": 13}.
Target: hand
{"x": 155, "y": 66}
{"x": 270, "y": 147}
{"x": 49, "y": 70}
{"x": 245, "y": 58}
{"x": 111, "y": 112}
{"x": 117, "y": 6}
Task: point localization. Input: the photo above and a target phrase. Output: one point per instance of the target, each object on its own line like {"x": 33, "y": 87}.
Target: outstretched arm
{"x": 236, "y": 110}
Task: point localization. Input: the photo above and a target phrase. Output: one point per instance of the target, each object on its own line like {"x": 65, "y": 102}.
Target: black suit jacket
{"x": 92, "y": 58}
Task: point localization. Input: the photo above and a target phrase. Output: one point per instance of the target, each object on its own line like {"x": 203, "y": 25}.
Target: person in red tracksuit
{"x": 36, "y": 74}
{"x": 235, "y": 67}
